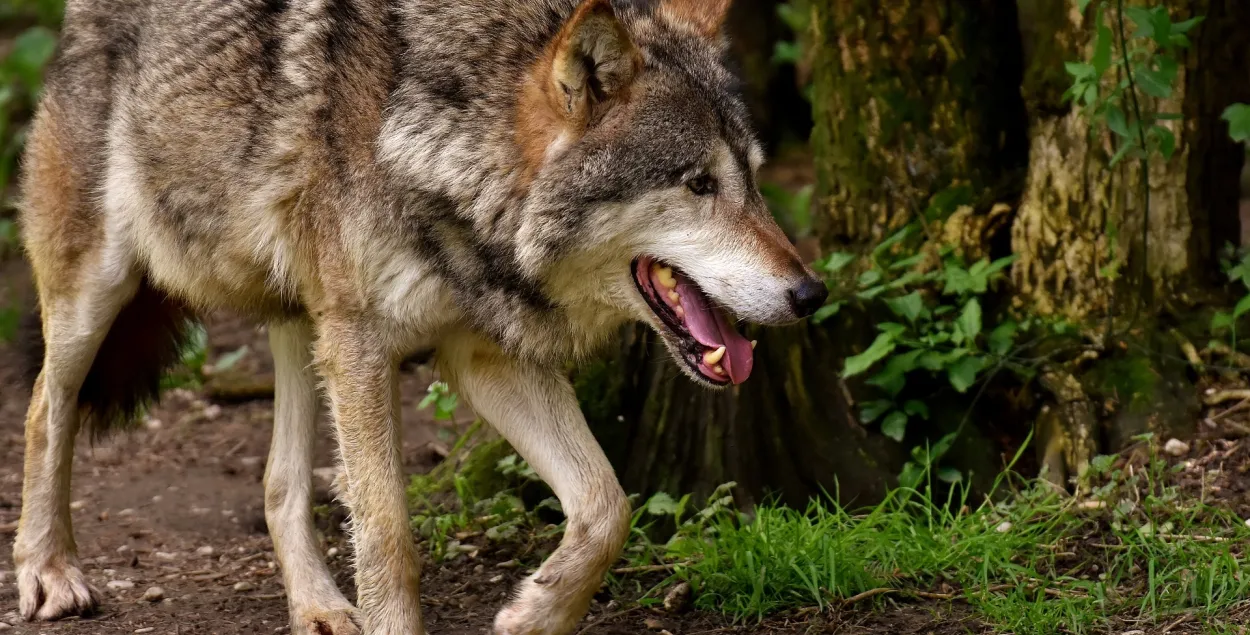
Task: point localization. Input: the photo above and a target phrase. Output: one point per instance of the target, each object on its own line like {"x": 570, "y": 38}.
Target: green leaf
{"x": 943, "y": 445}
{"x": 869, "y": 278}
{"x": 229, "y": 360}
{"x": 661, "y": 504}
{"x": 1003, "y": 337}
{"x": 916, "y": 408}
{"x": 970, "y": 319}
{"x": 958, "y": 280}
{"x": 1184, "y": 27}
{"x": 1142, "y": 17}
{"x": 1079, "y": 70}
{"x": 1154, "y": 82}
{"x": 893, "y": 329}
{"x": 963, "y": 374}
{"x": 1102, "y": 48}
{"x": 895, "y": 426}
{"x": 1117, "y": 122}
{"x": 1166, "y": 141}
{"x": 882, "y": 346}
{"x": 826, "y": 312}
{"x": 1242, "y": 306}
{"x": 949, "y": 475}
{"x": 1126, "y": 146}
{"x": 1238, "y": 118}
{"x": 873, "y": 410}
{"x": 835, "y": 262}
{"x": 909, "y": 307}
{"x": 911, "y": 476}
{"x": 26, "y": 60}
{"x": 1082, "y": 5}
{"x": 1221, "y": 320}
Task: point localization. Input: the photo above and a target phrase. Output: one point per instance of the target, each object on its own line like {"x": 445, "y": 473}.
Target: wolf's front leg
{"x": 536, "y": 410}
{"x": 360, "y": 376}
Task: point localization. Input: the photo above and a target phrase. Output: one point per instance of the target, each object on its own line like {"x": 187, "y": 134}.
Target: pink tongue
{"x": 712, "y": 330}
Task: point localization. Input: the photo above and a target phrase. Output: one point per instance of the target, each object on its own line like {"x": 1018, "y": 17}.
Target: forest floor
{"x": 177, "y": 504}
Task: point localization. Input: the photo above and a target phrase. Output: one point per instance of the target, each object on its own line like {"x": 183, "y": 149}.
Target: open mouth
{"x": 710, "y": 344}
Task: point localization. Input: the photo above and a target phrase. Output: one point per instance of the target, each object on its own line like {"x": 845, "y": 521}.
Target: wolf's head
{"x": 643, "y": 190}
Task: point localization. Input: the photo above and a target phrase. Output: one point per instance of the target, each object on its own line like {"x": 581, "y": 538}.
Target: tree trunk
{"x": 909, "y": 101}
{"x": 1093, "y": 248}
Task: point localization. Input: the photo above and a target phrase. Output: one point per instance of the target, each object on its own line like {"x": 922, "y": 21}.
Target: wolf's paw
{"x": 532, "y": 614}
{"x": 340, "y": 621}
{"x": 54, "y": 591}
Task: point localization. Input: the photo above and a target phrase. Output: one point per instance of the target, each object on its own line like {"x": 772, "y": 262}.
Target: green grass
{"x": 1036, "y": 561}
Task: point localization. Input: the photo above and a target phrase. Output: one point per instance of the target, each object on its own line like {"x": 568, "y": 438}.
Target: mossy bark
{"x": 1096, "y": 248}
{"x": 910, "y": 100}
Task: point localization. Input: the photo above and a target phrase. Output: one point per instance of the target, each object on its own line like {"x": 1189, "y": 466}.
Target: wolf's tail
{"x": 146, "y": 339}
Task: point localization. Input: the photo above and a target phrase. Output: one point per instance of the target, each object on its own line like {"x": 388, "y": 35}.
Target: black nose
{"x": 809, "y": 296}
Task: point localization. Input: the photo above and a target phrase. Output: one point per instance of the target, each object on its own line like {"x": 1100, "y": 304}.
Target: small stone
{"x": 212, "y": 411}
{"x": 158, "y": 498}
{"x": 153, "y": 424}
{"x": 653, "y": 624}
{"x": 1003, "y": 527}
{"x": 121, "y": 585}
{"x": 244, "y": 587}
{"x": 126, "y": 512}
{"x": 77, "y": 505}
{"x": 497, "y": 579}
{"x": 206, "y": 550}
{"x": 251, "y": 461}
{"x": 164, "y": 555}
{"x": 479, "y": 568}
{"x": 1176, "y": 447}
{"x": 507, "y": 564}
{"x": 1248, "y": 522}
{"x": 148, "y": 629}
{"x": 332, "y": 552}
{"x": 154, "y": 594}
{"x": 104, "y": 515}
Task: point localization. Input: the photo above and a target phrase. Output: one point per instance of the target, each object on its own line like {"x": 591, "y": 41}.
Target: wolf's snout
{"x": 808, "y": 296}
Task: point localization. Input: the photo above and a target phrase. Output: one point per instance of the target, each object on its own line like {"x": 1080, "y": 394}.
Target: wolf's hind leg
{"x": 317, "y": 605}
{"x": 536, "y": 410}
{"x": 50, "y": 583}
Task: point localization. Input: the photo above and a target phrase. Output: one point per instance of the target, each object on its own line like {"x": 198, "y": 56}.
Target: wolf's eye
{"x": 702, "y": 185}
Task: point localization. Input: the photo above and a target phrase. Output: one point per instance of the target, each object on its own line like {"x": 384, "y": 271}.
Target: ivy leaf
{"x": 963, "y": 374}
{"x": 856, "y": 364}
{"x": 1238, "y": 118}
{"x": 909, "y": 307}
{"x": 895, "y": 426}
{"x": 916, "y": 408}
{"x": 893, "y": 377}
{"x": 661, "y": 504}
{"x": 970, "y": 319}
{"x": 874, "y": 409}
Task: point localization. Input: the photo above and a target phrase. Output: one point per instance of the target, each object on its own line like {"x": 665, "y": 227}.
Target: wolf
{"x": 507, "y": 182}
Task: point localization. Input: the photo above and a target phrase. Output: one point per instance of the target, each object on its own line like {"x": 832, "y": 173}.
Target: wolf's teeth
{"x": 675, "y": 297}
{"x": 718, "y": 370}
{"x": 669, "y": 282}
{"x": 712, "y": 358}
{"x": 681, "y": 313}
{"x": 754, "y": 343}
{"x": 665, "y": 276}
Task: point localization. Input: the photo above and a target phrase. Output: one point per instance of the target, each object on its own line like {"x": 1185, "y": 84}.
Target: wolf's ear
{"x": 593, "y": 60}
{"x": 704, "y": 16}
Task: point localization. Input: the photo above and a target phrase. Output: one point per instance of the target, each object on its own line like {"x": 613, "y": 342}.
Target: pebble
{"x": 497, "y": 579}
{"x": 164, "y": 555}
{"x": 1003, "y": 527}
{"x": 149, "y": 629}
{"x": 251, "y": 461}
{"x": 77, "y": 505}
{"x": 126, "y": 512}
{"x": 1248, "y": 522}
{"x": 121, "y": 585}
{"x": 206, "y": 550}
{"x": 1176, "y": 447}
{"x": 677, "y": 598}
{"x": 244, "y": 587}
{"x": 153, "y": 424}
{"x": 154, "y": 594}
